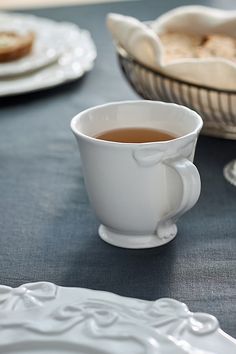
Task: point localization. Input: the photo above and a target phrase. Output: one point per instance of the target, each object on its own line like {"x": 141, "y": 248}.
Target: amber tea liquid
{"x": 135, "y": 135}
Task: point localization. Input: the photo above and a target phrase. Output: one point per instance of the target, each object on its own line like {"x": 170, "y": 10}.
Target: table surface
{"x": 48, "y": 230}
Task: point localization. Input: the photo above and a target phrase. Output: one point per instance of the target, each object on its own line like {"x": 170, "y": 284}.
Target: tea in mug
{"x": 135, "y": 135}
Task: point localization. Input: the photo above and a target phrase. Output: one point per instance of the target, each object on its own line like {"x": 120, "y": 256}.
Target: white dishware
{"x": 46, "y": 48}
{"x": 40, "y": 57}
{"x": 69, "y": 50}
{"x": 48, "y": 319}
{"x": 139, "y": 191}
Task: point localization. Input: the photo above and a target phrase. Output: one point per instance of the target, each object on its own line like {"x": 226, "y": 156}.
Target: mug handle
{"x": 191, "y": 181}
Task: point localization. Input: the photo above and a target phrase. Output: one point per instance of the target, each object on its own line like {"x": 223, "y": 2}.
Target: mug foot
{"x": 134, "y": 241}
{"x": 167, "y": 230}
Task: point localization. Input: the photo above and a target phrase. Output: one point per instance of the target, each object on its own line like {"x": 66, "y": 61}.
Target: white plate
{"x": 77, "y": 54}
{"x": 47, "y": 46}
{"x": 48, "y": 319}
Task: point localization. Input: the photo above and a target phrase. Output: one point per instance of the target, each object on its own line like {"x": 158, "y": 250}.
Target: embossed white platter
{"x": 63, "y": 52}
{"x": 47, "y": 46}
{"x": 48, "y": 319}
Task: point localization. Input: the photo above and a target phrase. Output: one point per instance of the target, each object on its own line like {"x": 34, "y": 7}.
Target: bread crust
{"x": 14, "y": 46}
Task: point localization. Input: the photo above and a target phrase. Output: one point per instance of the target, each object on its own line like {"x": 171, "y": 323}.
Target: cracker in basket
{"x": 216, "y": 45}
{"x": 178, "y": 45}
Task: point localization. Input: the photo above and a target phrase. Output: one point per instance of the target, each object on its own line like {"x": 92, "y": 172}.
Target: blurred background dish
{"x": 46, "y": 48}
{"x": 62, "y": 52}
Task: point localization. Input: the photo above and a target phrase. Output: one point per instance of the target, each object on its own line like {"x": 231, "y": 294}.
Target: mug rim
{"x": 78, "y": 133}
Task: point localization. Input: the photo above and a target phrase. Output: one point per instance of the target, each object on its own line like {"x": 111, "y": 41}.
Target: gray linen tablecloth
{"x": 47, "y": 228}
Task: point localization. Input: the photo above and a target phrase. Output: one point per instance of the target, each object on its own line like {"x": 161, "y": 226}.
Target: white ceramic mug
{"x": 138, "y": 191}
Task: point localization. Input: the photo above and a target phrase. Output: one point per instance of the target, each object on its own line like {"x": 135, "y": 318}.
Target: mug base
{"x": 133, "y": 241}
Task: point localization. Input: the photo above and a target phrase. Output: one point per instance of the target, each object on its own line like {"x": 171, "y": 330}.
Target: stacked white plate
{"x": 42, "y": 318}
{"x": 62, "y": 52}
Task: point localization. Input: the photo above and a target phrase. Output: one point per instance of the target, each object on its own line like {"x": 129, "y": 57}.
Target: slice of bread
{"x": 15, "y": 46}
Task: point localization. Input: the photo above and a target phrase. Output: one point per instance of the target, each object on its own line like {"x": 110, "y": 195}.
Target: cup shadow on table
{"x": 144, "y": 274}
